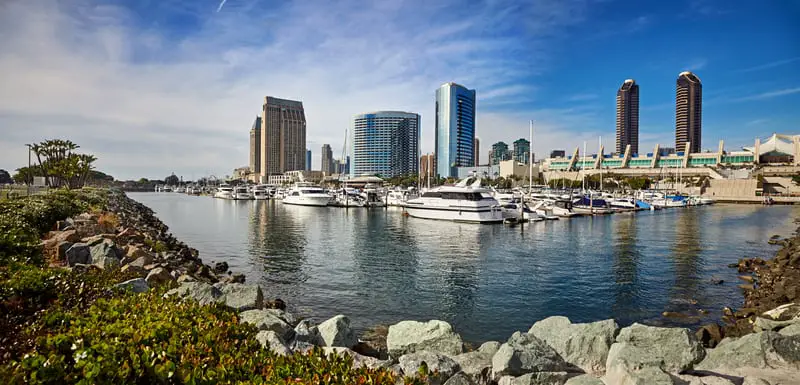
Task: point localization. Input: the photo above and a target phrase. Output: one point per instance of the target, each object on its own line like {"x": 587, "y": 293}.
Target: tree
{"x": 59, "y": 165}
{"x": 143, "y": 180}
{"x": 172, "y": 180}
{"x": 5, "y": 177}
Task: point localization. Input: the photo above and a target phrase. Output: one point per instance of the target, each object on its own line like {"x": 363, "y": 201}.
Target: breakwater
{"x": 552, "y": 351}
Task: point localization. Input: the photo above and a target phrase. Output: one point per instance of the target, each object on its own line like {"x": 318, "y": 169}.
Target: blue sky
{"x": 160, "y": 86}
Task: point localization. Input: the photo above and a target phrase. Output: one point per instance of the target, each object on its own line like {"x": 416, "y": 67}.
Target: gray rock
{"x": 489, "y": 347}
{"x": 136, "y": 285}
{"x": 337, "y": 332}
{"x": 142, "y": 261}
{"x": 159, "y": 276}
{"x": 477, "y": 365}
{"x": 784, "y": 312}
{"x": 791, "y": 330}
{"x": 201, "y": 292}
{"x": 272, "y": 341}
{"x": 242, "y": 297}
{"x": 584, "y": 345}
{"x": 460, "y": 379}
{"x": 749, "y": 380}
{"x": 646, "y": 376}
{"x": 358, "y": 359}
{"x": 506, "y": 380}
{"x": 439, "y": 367}
{"x": 134, "y": 270}
{"x": 411, "y": 336}
{"x": 764, "y": 324}
{"x": 105, "y": 254}
{"x": 543, "y": 378}
{"x": 304, "y": 332}
{"x": 757, "y": 350}
{"x": 62, "y": 247}
{"x": 584, "y": 379}
{"x": 284, "y": 315}
{"x": 706, "y": 380}
{"x": 265, "y": 320}
{"x": 524, "y": 353}
{"x": 639, "y": 346}
{"x": 301, "y": 347}
{"x": 78, "y": 253}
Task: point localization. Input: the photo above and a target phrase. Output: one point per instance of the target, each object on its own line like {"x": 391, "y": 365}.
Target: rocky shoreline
{"x": 553, "y": 351}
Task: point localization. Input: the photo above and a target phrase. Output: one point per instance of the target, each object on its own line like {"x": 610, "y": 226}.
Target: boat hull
{"x": 306, "y": 201}
{"x": 454, "y": 215}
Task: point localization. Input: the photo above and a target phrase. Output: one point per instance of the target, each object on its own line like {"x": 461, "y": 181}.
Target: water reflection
{"x": 626, "y": 267}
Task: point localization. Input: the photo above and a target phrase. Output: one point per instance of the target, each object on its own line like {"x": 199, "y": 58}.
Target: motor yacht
{"x": 242, "y": 193}
{"x": 224, "y": 192}
{"x": 463, "y": 202}
{"x": 260, "y": 192}
{"x": 306, "y": 194}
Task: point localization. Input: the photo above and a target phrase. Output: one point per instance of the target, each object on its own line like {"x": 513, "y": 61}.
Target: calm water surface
{"x": 379, "y": 267}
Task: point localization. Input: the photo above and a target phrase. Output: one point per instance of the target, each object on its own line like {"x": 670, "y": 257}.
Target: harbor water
{"x": 380, "y": 267}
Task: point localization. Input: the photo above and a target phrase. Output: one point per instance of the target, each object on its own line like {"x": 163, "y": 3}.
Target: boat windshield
{"x": 469, "y": 196}
{"x": 312, "y": 191}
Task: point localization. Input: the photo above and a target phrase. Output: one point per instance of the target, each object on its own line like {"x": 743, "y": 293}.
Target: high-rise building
{"x": 255, "y": 147}
{"x": 477, "y": 151}
{"x": 386, "y": 143}
{"x": 558, "y": 154}
{"x": 283, "y": 136}
{"x": 427, "y": 166}
{"x": 522, "y": 150}
{"x": 688, "y": 112}
{"x": 628, "y": 117}
{"x": 326, "y": 159}
{"x": 308, "y": 160}
{"x": 347, "y": 165}
{"x": 499, "y": 153}
{"x": 455, "y": 128}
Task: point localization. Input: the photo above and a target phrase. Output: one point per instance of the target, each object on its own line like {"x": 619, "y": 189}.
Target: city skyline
{"x": 156, "y": 87}
{"x": 385, "y": 143}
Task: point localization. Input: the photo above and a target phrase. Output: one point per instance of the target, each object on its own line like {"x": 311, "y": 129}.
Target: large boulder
{"x": 242, "y": 297}
{"x": 477, "y": 365}
{"x": 765, "y": 324}
{"x": 61, "y": 249}
{"x": 305, "y": 332}
{"x": 159, "y": 276}
{"x": 758, "y": 350}
{"x": 438, "y": 367}
{"x": 135, "y": 253}
{"x": 524, "y": 353}
{"x": 266, "y": 320}
{"x": 543, "y": 378}
{"x": 638, "y": 347}
{"x": 136, "y": 285}
{"x": 411, "y": 336}
{"x": 337, "y": 332}
{"x": 71, "y": 236}
{"x": 78, "y": 253}
{"x": 105, "y": 254}
{"x": 650, "y": 375}
{"x": 584, "y": 345}
{"x": 272, "y": 341}
{"x": 705, "y": 380}
{"x": 489, "y": 347}
{"x": 791, "y": 330}
{"x": 584, "y": 379}
{"x": 201, "y": 292}
{"x": 460, "y": 378}
{"x": 358, "y": 359}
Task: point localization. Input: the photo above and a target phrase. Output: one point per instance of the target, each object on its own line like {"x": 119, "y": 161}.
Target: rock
{"x": 477, "y": 365}
{"x": 136, "y": 285}
{"x": 337, "y": 332}
{"x": 505, "y": 380}
{"x": 78, "y": 253}
{"x": 524, "y": 353}
{"x": 439, "y": 367}
{"x": 706, "y": 380}
{"x": 583, "y": 345}
{"x": 142, "y": 261}
{"x": 791, "y": 330}
{"x": 61, "y": 249}
{"x": 783, "y": 312}
{"x": 747, "y": 278}
{"x": 220, "y": 267}
{"x": 411, "y": 336}
{"x": 98, "y": 239}
{"x": 764, "y": 324}
{"x": 135, "y": 253}
{"x": 242, "y": 297}
{"x": 136, "y": 270}
{"x": 645, "y": 376}
{"x": 105, "y": 254}
{"x": 301, "y": 347}
{"x": 489, "y": 347}
{"x": 459, "y": 379}
{"x": 757, "y": 350}
{"x": 272, "y": 341}
{"x": 304, "y": 332}
{"x": 709, "y": 335}
{"x": 584, "y": 379}
{"x": 185, "y": 278}
{"x": 639, "y": 346}
{"x": 67, "y": 236}
{"x": 288, "y": 317}
{"x": 748, "y": 380}
{"x": 201, "y": 292}
{"x": 159, "y": 276}
{"x": 543, "y": 378}
{"x": 358, "y": 359}
{"x": 233, "y": 278}
{"x": 82, "y": 268}
{"x": 277, "y": 303}
{"x": 266, "y": 320}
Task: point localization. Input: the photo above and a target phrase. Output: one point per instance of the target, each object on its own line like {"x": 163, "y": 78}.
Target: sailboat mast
{"x": 600, "y": 155}
{"x": 530, "y": 161}
{"x": 583, "y": 168}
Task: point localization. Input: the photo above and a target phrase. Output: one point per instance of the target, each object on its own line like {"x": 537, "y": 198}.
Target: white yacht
{"x": 306, "y": 194}
{"x": 260, "y": 192}
{"x": 224, "y": 191}
{"x": 241, "y": 193}
{"x": 460, "y": 203}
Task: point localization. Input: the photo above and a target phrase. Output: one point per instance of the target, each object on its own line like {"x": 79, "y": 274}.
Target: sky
{"x": 153, "y": 87}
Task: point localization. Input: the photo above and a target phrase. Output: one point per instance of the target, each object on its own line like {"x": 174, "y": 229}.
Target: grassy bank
{"x": 70, "y": 325}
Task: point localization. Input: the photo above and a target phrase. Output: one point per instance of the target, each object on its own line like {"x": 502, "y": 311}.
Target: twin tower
{"x": 688, "y": 114}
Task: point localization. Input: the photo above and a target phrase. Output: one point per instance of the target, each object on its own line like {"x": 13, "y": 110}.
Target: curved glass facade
{"x": 455, "y": 129}
{"x": 385, "y": 143}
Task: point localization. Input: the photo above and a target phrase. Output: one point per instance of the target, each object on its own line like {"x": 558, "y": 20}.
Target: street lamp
{"x": 30, "y": 171}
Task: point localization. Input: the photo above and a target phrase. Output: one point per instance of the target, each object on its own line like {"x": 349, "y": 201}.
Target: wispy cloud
{"x": 770, "y": 94}
{"x": 756, "y": 122}
{"x": 767, "y": 66}
{"x": 221, "y": 4}
{"x": 707, "y": 7}
{"x": 697, "y": 64}
{"x": 582, "y": 97}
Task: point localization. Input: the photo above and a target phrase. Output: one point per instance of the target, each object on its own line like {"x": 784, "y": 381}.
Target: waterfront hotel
{"x": 454, "y": 140}
{"x": 385, "y": 143}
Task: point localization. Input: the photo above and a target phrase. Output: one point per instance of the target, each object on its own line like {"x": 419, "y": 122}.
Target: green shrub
{"x": 146, "y": 338}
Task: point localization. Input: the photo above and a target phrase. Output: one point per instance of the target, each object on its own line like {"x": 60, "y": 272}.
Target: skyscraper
{"x": 477, "y": 150}
{"x": 455, "y": 128}
{"x": 326, "y": 159}
{"x": 283, "y": 136}
{"x": 255, "y": 147}
{"x": 308, "y": 160}
{"x": 499, "y": 153}
{"x": 628, "y": 117}
{"x": 427, "y": 166}
{"x": 522, "y": 150}
{"x": 386, "y": 143}
{"x": 688, "y": 112}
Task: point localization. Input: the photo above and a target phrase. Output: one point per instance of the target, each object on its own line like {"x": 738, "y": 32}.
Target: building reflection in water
{"x": 276, "y": 243}
{"x": 687, "y": 261}
{"x": 625, "y": 269}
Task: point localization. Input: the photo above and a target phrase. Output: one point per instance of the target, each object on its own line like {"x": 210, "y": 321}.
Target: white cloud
{"x": 150, "y": 96}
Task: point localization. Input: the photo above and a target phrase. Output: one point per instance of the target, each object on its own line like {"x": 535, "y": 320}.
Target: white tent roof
{"x": 783, "y": 144}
